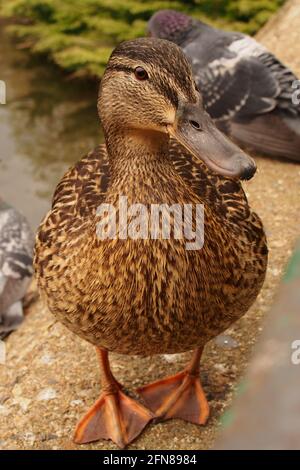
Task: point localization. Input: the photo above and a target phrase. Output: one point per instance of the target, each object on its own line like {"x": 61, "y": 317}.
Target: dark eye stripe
{"x": 120, "y": 68}
{"x": 170, "y": 61}
{"x": 161, "y": 87}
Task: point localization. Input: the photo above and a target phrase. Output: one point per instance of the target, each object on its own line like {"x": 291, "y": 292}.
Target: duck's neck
{"x": 134, "y": 148}
{"x": 138, "y": 160}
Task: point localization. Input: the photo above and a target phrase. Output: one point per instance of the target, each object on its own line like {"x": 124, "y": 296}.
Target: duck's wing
{"x": 81, "y": 189}
{"x": 244, "y": 81}
{"x": 225, "y": 195}
{"x": 75, "y": 200}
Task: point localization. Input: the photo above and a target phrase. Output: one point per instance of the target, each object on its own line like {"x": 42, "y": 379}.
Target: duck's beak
{"x": 196, "y": 131}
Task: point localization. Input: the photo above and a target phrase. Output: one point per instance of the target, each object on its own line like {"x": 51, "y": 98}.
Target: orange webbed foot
{"x": 114, "y": 416}
{"x": 178, "y": 396}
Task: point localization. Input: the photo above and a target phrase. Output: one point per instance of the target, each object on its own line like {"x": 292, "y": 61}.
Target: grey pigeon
{"x": 16, "y": 252}
{"x": 245, "y": 88}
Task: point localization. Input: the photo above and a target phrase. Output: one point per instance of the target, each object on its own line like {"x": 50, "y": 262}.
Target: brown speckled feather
{"x": 128, "y": 297}
{"x": 147, "y": 296}
{"x": 82, "y": 188}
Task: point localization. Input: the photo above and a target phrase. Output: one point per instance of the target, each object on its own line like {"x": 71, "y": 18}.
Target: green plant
{"x": 79, "y": 35}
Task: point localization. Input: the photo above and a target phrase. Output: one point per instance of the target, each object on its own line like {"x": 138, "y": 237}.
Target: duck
{"x": 247, "y": 90}
{"x": 130, "y": 292}
{"x": 16, "y": 268}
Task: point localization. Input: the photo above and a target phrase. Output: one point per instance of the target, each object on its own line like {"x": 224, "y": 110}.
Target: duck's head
{"x": 148, "y": 89}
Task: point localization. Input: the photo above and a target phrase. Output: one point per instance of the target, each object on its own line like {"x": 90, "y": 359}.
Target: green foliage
{"x": 79, "y": 35}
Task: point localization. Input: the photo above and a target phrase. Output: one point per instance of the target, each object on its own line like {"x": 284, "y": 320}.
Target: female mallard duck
{"x": 150, "y": 296}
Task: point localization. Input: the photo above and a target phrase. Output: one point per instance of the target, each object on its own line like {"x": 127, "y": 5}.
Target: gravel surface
{"x": 51, "y": 377}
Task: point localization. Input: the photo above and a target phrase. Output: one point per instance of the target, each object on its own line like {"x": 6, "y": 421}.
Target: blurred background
{"x": 52, "y": 54}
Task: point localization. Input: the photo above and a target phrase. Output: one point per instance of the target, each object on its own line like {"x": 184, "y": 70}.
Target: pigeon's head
{"x": 170, "y": 24}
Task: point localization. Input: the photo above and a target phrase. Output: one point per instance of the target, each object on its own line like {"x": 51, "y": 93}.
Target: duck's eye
{"x": 140, "y": 73}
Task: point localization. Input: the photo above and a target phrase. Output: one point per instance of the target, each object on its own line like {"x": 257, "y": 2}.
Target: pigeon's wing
{"x": 237, "y": 89}
{"x": 16, "y": 245}
{"x": 286, "y": 81}
{"x": 3, "y": 280}
{"x": 16, "y": 252}
{"x": 225, "y": 87}
{"x": 11, "y": 319}
{"x": 244, "y": 81}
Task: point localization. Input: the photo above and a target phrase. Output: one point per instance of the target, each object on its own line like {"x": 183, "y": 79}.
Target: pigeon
{"x": 250, "y": 94}
{"x": 16, "y": 254}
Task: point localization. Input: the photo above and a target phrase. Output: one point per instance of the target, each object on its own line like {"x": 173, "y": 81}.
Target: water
{"x": 48, "y": 123}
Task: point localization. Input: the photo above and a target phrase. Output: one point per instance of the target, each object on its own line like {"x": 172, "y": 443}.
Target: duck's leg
{"x": 179, "y": 396}
{"x": 114, "y": 415}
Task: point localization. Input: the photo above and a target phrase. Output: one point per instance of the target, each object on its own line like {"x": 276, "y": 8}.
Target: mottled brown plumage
{"x": 150, "y": 296}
